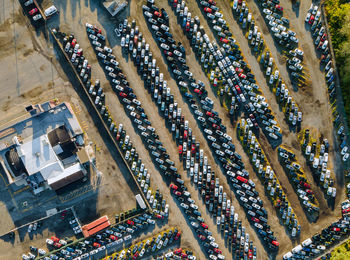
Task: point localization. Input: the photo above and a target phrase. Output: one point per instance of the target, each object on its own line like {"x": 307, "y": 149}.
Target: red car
{"x": 33, "y": 11}
{"x": 113, "y": 237}
{"x": 169, "y": 53}
{"x": 224, "y": 40}
{"x": 309, "y": 191}
{"x": 346, "y": 210}
{"x": 173, "y": 186}
{"x": 306, "y": 185}
{"x": 216, "y": 126}
{"x": 96, "y": 245}
{"x": 217, "y": 250}
{"x": 193, "y": 149}
{"x": 188, "y": 26}
{"x": 157, "y": 14}
{"x": 177, "y": 193}
{"x": 178, "y": 251}
{"x": 312, "y": 18}
{"x": 239, "y": 70}
{"x": 279, "y": 8}
{"x": 177, "y": 236}
{"x": 130, "y": 222}
{"x": 208, "y": 113}
{"x": 256, "y": 220}
{"x": 205, "y": 226}
{"x": 185, "y": 134}
{"x": 74, "y": 42}
{"x": 239, "y": 91}
{"x": 55, "y": 239}
{"x": 180, "y": 149}
{"x": 275, "y": 243}
{"x": 122, "y": 94}
{"x": 208, "y": 10}
{"x": 241, "y": 75}
{"x": 240, "y": 178}
{"x": 196, "y": 90}
{"x": 159, "y": 216}
{"x": 57, "y": 245}
{"x": 336, "y": 229}
{"x": 250, "y": 254}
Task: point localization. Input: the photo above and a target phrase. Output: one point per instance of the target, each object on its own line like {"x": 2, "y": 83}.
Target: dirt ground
{"x": 30, "y": 68}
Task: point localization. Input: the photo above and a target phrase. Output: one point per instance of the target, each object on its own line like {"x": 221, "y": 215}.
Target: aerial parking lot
{"x": 200, "y": 130}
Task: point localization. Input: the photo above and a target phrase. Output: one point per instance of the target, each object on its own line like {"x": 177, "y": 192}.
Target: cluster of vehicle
{"x": 273, "y": 14}
{"x": 292, "y": 113}
{"x": 299, "y": 180}
{"x": 178, "y": 254}
{"x": 134, "y": 109}
{"x": 130, "y": 154}
{"x": 343, "y": 142}
{"x": 34, "y": 253}
{"x": 111, "y": 237}
{"x": 268, "y": 65}
{"x": 322, "y": 241}
{"x": 121, "y": 136}
{"x": 318, "y": 30}
{"x": 32, "y": 9}
{"x": 214, "y": 136}
{"x": 317, "y": 159}
{"x": 273, "y": 188}
{"x": 237, "y": 80}
{"x": 75, "y": 225}
{"x": 33, "y": 227}
{"x": 149, "y": 246}
{"x": 169, "y": 109}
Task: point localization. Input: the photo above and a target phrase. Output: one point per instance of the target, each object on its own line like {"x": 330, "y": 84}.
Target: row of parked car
{"x": 273, "y": 187}
{"x": 72, "y": 48}
{"x": 188, "y": 148}
{"x": 178, "y": 253}
{"x": 208, "y": 131}
{"x": 166, "y": 100}
{"x": 112, "y": 237}
{"x": 150, "y": 246}
{"x": 273, "y": 14}
{"x": 299, "y": 181}
{"x": 293, "y": 115}
{"x": 317, "y": 159}
{"x": 237, "y": 79}
{"x": 286, "y": 38}
{"x": 318, "y": 30}
{"x": 33, "y": 11}
{"x": 320, "y": 242}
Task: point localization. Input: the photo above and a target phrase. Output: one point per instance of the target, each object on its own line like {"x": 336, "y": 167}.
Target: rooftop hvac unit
{"x": 15, "y": 140}
{"x": 45, "y": 142}
{"x": 20, "y": 152}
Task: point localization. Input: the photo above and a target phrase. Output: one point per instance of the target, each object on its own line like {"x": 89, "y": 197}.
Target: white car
{"x": 29, "y": 2}
{"x": 117, "y": 32}
{"x": 267, "y": 11}
{"x": 37, "y": 17}
{"x": 307, "y": 18}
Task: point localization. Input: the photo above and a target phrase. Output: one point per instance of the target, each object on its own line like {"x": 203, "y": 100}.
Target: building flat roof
{"x": 37, "y": 155}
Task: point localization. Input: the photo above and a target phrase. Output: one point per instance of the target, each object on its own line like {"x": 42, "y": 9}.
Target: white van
{"x": 297, "y": 249}
{"x": 50, "y": 11}
{"x": 307, "y": 242}
{"x": 287, "y": 255}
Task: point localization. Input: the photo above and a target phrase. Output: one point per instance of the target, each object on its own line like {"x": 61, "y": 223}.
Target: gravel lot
{"x": 30, "y": 58}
